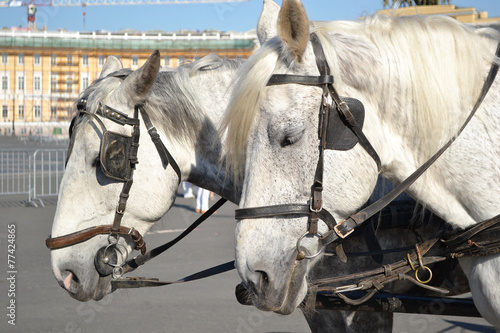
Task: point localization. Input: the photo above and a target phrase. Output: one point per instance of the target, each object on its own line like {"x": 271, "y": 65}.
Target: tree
{"x": 404, "y": 3}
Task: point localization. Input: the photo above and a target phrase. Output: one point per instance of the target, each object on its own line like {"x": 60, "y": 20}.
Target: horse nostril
{"x": 264, "y": 277}
{"x": 70, "y": 280}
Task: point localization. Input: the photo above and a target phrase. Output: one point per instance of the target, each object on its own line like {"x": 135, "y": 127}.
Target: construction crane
{"x": 39, "y": 3}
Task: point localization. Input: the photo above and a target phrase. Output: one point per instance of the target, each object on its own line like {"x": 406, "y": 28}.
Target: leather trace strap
{"x": 131, "y": 265}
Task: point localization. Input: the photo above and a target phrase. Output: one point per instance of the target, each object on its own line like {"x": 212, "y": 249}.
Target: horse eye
{"x": 291, "y": 139}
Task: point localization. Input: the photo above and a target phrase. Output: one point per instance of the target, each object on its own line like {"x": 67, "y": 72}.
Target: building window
{"x": 135, "y": 61}
{"x": 20, "y": 111}
{"x": 53, "y": 60}
{"x": 37, "y": 60}
{"x": 166, "y": 61}
{"x": 37, "y": 111}
{"x": 20, "y": 58}
{"x": 20, "y": 83}
{"x": 23, "y": 131}
{"x": 85, "y": 60}
{"x": 100, "y": 60}
{"x": 53, "y": 112}
{"x": 5, "y": 82}
{"x": 5, "y": 58}
{"x": 5, "y": 111}
{"x": 53, "y": 83}
{"x": 69, "y": 59}
{"x": 69, "y": 84}
{"x": 85, "y": 83}
{"x": 37, "y": 83}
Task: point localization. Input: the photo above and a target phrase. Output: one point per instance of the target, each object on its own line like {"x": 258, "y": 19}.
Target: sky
{"x": 229, "y": 16}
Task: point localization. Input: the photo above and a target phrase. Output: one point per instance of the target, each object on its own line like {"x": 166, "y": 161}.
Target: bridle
{"x": 118, "y": 160}
{"x": 349, "y": 114}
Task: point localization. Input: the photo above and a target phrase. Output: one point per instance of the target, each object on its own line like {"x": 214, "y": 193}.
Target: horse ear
{"x": 267, "y": 27}
{"x": 293, "y": 27}
{"x": 112, "y": 64}
{"x": 137, "y": 85}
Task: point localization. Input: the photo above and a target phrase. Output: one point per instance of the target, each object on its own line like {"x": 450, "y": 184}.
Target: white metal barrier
{"x": 48, "y": 168}
{"x": 14, "y": 172}
{"x": 36, "y": 174}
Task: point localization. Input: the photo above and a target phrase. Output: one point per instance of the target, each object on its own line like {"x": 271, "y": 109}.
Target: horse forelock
{"x": 243, "y": 109}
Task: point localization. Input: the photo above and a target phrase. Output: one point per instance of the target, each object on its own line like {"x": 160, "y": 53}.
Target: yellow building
{"x": 462, "y": 14}
{"x": 42, "y": 72}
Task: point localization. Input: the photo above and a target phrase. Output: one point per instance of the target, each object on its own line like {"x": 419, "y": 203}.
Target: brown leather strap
{"x": 86, "y": 234}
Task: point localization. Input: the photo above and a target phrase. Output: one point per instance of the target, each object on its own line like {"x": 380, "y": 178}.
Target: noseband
{"x": 118, "y": 159}
{"x": 348, "y": 115}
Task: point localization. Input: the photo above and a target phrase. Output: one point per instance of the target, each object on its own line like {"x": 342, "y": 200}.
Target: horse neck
{"x": 448, "y": 188}
{"x": 211, "y": 89}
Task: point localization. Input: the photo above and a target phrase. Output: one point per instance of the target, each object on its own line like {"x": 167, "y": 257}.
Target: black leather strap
{"x": 283, "y": 210}
{"x": 346, "y": 227}
{"x": 145, "y": 257}
{"x": 307, "y": 80}
{"x": 133, "y": 282}
{"x": 165, "y": 155}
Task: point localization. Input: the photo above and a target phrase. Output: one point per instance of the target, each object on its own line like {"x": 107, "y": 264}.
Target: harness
{"x": 340, "y": 128}
{"x": 117, "y": 160}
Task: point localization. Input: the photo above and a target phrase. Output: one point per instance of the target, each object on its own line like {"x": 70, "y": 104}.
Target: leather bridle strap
{"x": 283, "y": 210}
{"x": 165, "y": 155}
{"x": 278, "y": 79}
{"x": 86, "y": 234}
{"x": 342, "y": 107}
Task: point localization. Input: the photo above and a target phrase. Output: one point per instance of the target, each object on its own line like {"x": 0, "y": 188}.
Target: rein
{"x": 314, "y": 209}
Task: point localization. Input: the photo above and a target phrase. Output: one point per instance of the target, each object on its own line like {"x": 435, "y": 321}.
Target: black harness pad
{"x": 339, "y": 136}
{"x": 115, "y": 155}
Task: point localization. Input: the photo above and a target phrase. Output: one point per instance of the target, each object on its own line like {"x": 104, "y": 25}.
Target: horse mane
{"x": 174, "y": 102}
{"x": 405, "y": 64}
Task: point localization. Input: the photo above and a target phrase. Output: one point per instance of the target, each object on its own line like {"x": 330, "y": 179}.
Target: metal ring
{"x": 115, "y": 239}
{"x": 117, "y": 272}
{"x": 430, "y": 274}
{"x": 320, "y": 235}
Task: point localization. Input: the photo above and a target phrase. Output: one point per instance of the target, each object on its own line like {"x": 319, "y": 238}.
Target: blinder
{"x": 338, "y": 135}
{"x": 115, "y": 156}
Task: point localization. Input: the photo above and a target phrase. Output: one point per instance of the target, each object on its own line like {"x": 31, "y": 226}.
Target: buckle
{"x": 339, "y": 233}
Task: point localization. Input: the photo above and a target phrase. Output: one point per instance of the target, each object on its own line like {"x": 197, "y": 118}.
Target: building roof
{"x": 124, "y": 40}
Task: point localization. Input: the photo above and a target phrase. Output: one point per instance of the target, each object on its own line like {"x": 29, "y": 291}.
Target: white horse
{"x": 186, "y": 112}
{"x": 186, "y": 105}
{"x": 418, "y": 78}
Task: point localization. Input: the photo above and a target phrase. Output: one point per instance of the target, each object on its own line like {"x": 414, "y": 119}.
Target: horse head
{"x": 104, "y": 135}
{"x": 275, "y": 126}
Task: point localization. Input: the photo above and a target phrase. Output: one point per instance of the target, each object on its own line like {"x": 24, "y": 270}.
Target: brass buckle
{"x": 339, "y": 233}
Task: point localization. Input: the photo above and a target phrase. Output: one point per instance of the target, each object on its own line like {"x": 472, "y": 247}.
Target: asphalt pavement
{"x": 207, "y": 305}
{"x": 201, "y": 306}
